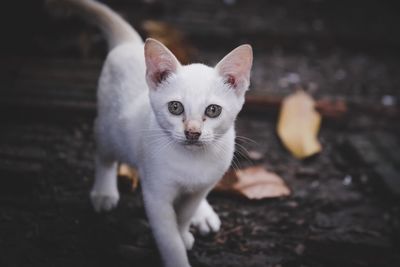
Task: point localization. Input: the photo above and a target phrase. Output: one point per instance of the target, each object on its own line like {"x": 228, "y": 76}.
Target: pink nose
{"x": 192, "y": 136}
{"x": 192, "y": 130}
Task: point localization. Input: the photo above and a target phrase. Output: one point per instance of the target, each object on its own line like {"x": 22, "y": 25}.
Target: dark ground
{"x": 344, "y": 210}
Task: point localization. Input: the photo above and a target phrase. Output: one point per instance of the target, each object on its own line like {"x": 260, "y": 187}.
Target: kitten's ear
{"x": 160, "y": 62}
{"x": 235, "y": 68}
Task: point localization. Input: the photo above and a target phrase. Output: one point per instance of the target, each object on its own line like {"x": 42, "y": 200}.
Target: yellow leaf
{"x": 299, "y": 124}
{"x": 129, "y": 173}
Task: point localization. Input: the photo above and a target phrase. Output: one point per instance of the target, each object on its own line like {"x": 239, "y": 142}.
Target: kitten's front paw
{"x": 205, "y": 220}
{"x": 188, "y": 240}
{"x": 104, "y": 201}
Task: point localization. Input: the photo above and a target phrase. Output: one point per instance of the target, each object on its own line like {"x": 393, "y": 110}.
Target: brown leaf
{"x": 129, "y": 173}
{"x": 299, "y": 124}
{"x": 253, "y": 183}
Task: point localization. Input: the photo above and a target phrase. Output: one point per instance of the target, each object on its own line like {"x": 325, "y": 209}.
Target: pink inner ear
{"x": 231, "y": 80}
{"x": 161, "y": 76}
{"x": 235, "y": 67}
{"x": 160, "y": 63}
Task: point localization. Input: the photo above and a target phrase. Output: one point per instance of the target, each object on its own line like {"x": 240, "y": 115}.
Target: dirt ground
{"x": 46, "y": 218}
{"x": 344, "y": 208}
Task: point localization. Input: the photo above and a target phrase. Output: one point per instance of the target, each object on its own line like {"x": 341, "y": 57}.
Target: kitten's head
{"x": 196, "y": 104}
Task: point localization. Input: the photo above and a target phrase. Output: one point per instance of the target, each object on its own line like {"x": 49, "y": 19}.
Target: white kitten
{"x": 174, "y": 123}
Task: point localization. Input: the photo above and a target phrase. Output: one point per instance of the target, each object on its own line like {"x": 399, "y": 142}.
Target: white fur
{"x": 134, "y": 126}
{"x": 175, "y": 178}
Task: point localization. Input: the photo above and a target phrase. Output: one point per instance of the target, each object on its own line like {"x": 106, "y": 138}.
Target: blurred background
{"x": 343, "y": 206}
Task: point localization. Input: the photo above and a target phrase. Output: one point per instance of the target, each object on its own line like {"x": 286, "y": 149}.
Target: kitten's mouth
{"x": 192, "y": 143}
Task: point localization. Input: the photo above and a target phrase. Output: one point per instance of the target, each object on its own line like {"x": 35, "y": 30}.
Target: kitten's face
{"x": 196, "y": 104}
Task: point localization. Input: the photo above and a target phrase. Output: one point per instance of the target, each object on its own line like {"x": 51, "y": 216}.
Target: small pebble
{"x": 388, "y": 100}
{"x": 283, "y": 82}
{"x": 293, "y": 78}
{"x": 299, "y": 250}
{"x": 314, "y": 184}
{"x": 292, "y": 204}
{"x": 340, "y": 74}
{"x": 312, "y": 87}
{"x": 347, "y": 180}
{"x": 255, "y": 155}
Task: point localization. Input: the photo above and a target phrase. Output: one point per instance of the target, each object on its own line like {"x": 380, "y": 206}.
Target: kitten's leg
{"x": 205, "y": 219}
{"x": 104, "y": 194}
{"x": 185, "y": 209}
{"x": 163, "y": 221}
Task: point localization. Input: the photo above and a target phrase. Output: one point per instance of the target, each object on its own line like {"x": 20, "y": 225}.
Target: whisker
{"x": 234, "y": 162}
{"x": 242, "y": 150}
{"x": 246, "y": 139}
{"x": 162, "y": 147}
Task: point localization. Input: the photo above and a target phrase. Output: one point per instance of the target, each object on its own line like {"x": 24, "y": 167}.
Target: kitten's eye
{"x": 213, "y": 111}
{"x": 175, "y": 107}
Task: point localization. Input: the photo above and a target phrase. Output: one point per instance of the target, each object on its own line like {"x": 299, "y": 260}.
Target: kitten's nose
{"x": 192, "y": 136}
{"x": 192, "y": 130}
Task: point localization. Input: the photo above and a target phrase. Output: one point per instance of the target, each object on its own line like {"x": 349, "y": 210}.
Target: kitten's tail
{"x": 113, "y": 26}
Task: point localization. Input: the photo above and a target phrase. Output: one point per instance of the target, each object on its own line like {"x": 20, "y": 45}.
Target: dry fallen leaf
{"x": 299, "y": 124}
{"x": 130, "y": 174}
{"x": 253, "y": 183}
{"x": 172, "y": 38}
